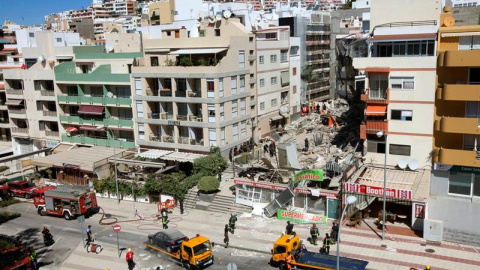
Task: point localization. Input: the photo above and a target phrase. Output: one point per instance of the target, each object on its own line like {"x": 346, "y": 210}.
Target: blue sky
{"x": 30, "y": 12}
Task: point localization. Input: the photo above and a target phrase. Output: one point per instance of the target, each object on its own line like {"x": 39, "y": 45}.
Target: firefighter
{"x": 231, "y": 222}
{"x": 226, "y": 239}
{"x": 33, "y": 258}
{"x": 289, "y": 260}
{"x": 289, "y": 228}
{"x": 72, "y": 206}
{"x": 314, "y": 233}
{"x": 326, "y": 244}
{"x": 165, "y": 222}
{"x": 129, "y": 258}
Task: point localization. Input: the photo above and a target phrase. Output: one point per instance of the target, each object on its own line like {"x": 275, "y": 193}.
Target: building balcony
{"x": 50, "y": 113}
{"x": 376, "y": 96}
{"x": 463, "y": 58}
{"x": 66, "y": 72}
{"x": 97, "y": 141}
{"x": 47, "y": 93}
{"x": 96, "y": 122}
{"x": 251, "y": 58}
{"x": 105, "y": 101}
{"x": 458, "y": 125}
{"x": 16, "y": 130}
{"x": 16, "y": 92}
{"x": 17, "y": 113}
{"x": 468, "y": 158}
{"x": 374, "y": 126}
{"x": 459, "y": 92}
{"x": 4, "y": 124}
{"x": 317, "y": 42}
{"x": 54, "y": 134}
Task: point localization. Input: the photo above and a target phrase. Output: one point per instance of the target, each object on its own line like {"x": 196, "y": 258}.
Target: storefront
{"x": 314, "y": 201}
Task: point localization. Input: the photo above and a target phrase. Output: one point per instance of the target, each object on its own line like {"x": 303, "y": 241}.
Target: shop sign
{"x": 259, "y": 185}
{"x": 454, "y": 168}
{"x": 378, "y": 191}
{"x": 321, "y": 193}
{"x": 298, "y": 217}
{"x": 419, "y": 210}
{"x": 308, "y": 175}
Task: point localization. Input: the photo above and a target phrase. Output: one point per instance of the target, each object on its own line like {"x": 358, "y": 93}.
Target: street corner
{"x": 108, "y": 257}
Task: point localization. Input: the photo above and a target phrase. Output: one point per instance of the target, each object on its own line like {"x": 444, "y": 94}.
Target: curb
{"x": 244, "y": 248}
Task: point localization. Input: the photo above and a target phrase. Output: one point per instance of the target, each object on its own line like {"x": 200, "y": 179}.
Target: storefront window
{"x": 476, "y": 186}
{"x": 316, "y": 205}
{"x": 460, "y": 183}
{"x": 299, "y": 200}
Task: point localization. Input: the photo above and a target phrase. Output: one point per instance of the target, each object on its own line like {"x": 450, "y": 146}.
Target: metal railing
{"x": 47, "y": 93}
{"x": 17, "y": 111}
{"x": 52, "y": 133}
{"x": 14, "y": 91}
{"x": 19, "y": 130}
{"x": 49, "y": 113}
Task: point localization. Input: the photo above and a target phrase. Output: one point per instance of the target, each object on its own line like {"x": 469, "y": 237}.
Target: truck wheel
{"x": 42, "y": 211}
{"x": 26, "y": 196}
{"x": 186, "y": 265}
{"x": 66, "y": 215}
{"x": 169, "y": 249}
{"x": 282, "y": 266}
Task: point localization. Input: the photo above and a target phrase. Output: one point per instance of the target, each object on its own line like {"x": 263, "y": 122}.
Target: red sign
{"x": 116, "y": 228}
{"x": 280, "y": 188}
{"x": 168, "y": 204}
{"x": 378, "y": 191}
{"x": 321, "y": 193}
{"x": 420, "y": 211}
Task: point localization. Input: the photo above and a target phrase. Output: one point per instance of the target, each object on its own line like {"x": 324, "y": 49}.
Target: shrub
{"x": 8, "y": 202}
{"x": 6, "y": 216}
{"x": 208, "y": 184}
{"x": 185, "y": 61}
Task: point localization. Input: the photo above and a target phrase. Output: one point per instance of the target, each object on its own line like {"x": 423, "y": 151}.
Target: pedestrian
{"x": 318, "y": 107}
{"x": 334, "y": 232}
{"x": 289, "y": 260}
{"x": 324, "y": 108}
{"x": 225, "y": 239}
{"x": 33, "y": 258}
{"x": 232, "y": 221}
{"x": 230, "y": 155}
{"x": 314, "y": 233}
{"x": 181, "y": 206}
{"x": 289, "y": 228}
{"x": 165, "y": 222}
{"x": 89, "y": 235}
{"x": 326, "y": 243}
{"x": 129, "y": 258}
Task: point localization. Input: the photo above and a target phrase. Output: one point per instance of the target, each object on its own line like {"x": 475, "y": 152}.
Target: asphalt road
{"x": 68, "y": 234}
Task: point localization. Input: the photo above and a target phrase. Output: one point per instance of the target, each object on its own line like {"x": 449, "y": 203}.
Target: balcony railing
{"x": 118, "y": 101}
{"x": 374, "y": 126}
{"x": 47, "y": 93}
{"x": 17, "y": 111}
{"x": 165, "y": 92}
{"x": 18, "y": 92}
{"x": 19, "y": 130}
{"x": 377, "y": 96}
{"x": 50, "y": 113}
{"x": 96, "y": 122}
{"x": 152, "y": 93}
{"x": 166, "y": 116}
{"x": 98, "y": 141}
{"x": 52, "y": 133}
{"x": 181, "y": 93}
{"x": 168, "y": 139}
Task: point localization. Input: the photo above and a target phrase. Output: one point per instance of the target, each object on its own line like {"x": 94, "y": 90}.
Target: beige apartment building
{"x": 194, "y": 93}
{"x": 161, "y": 12}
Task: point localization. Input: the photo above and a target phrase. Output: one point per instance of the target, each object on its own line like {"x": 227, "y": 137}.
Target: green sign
{"x": 301, "y": 218}
{"x": 456, "y": 168}
{"x": 308, "y": 175}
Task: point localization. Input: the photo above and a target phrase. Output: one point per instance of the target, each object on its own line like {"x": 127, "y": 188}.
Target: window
{"x": 469, "y": 43}
{"x": 273, "y": 58}
{"x": 222, "y": 136}
{"x": 31, "y": 34}
{"x": 49, "y": 85}
{"x": 271, "y": 36}
{"x": 472, "y": 109}
{"x": 139, "y": 109}
{"x": 39, "y": 106}
{"x": 244, "y": 129}
{"x": 273, "y": 80}
{"x": 294, "y": 71}
{"x": 262, "y": 106}
{"x": 243, "y": 106}
{"x": 210, "y": 88}
{"x": 378, "y": 86}
{"x": 222, "y": 112}
{"x": 211, "y": 113}
{"x": 280, "y": 249}
{"x": 404, "y": 115}
{"x": 242, "y": 83}
{"x": 294, "y": 50}
{"x": 474, "y": 76}
{"x": 241, "y": 59}
{"x": 217, "y": 32}
{"x": 397, "y": 149}
{"x": 283, "y": 56}
{"x": 461, "y": 184}
{"x": 220, "y": 87}
{"x": 123, "y": 91}
{"x": 235, "y": 132}
{"x": 262, "y": 82}
{"x": 125, "y": 114}
{"x": 37, "y": 85}
{"x": 404, "y": 48}
{"x": 138, "y": 86}
{"x": 141, "y": 132}
{"x": 273, "y": 102}
{"x": 234, "y": 109}
{"x": 41, "y": 125}
{"x": 285, "y": 78}
{"x": 402, "y": 82}
{"x": 261, "y": 59}
{"x": 212, "y": 137}
{"x": 154, "y": 61}
{"x": 181, "y": 85}
{"x": 469, "y": 141}
{"x": 294, "y": 89}
{"x": 234, "y": 84}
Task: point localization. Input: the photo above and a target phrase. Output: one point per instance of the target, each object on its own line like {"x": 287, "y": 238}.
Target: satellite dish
{"x": 402, "y": 163}
{"x": 227, "y": 14}
{"x": 41, "y": 58}
{"x": 110, "y": 94}
{"x": 109, "y": 47}
{"x": 212, "y": 19}
{"x": 218, "y": 17}
{"x": 413, "y": 164}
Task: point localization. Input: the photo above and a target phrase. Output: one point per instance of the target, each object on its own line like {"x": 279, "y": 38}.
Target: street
{"x": 68, "y": 235}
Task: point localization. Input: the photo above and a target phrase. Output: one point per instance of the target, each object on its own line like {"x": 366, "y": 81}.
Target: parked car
{"x": 21, "y": 189}
{"x": 169, "y": 239}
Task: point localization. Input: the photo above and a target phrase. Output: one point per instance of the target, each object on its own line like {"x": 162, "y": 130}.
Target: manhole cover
{"x": 429, "y": 250}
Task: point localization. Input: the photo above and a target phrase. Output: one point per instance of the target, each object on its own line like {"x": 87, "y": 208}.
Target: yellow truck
{"x": 304, "y": 259}
{"x": 192, "y": 253}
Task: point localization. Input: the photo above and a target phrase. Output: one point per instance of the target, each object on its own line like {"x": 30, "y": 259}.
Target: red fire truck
{"x": 65, "y": 200}
{"x": 13, "y": 254}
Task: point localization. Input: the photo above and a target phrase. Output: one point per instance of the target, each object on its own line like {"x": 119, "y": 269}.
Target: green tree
{"x": 208, "y": 184}
{"x": 211, "y": 165}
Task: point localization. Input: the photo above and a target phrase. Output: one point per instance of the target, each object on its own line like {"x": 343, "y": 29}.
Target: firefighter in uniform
{"x": 231, "y": 222}
{"x": 289, "y": 228}
{"x": 129, "y": 258}
{"x": 72, "y": 207}
{"x": 314, "y": 233}
{"x": 164, "y": 218}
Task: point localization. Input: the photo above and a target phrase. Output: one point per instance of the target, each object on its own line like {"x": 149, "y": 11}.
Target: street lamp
{"x": 379, "y": 135}
{"x": 115, "y": 158}
{"x": 348, "y": 200}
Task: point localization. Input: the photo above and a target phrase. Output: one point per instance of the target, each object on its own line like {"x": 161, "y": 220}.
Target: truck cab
{"x": 196, "y": 253}
{"x": 286, "y": 243}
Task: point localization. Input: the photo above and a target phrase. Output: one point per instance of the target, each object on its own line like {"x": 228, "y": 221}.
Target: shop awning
{"x": 64, "y": 57}
{"x": 62, "y": 147}
{"x": 199, "y": 51}
{"x": 461, "y": 34}
{"x": 379, "y": 110}
{"x": 14, "y": 102}
{"x": 276, "y": 117}
{"x": 91, "y": 128}
{"x": 91, "y": 110}
{"x": 154, "y": 153}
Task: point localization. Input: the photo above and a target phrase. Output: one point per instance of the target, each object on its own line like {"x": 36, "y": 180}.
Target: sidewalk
{"x": 259, "y": 234}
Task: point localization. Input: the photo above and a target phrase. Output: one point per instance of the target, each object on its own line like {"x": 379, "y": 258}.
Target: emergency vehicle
{"x": 14, "y": 256}
{"x": 193, "y": 253}
{"x": 304, "y": 259}
{"x": 65, "y": 200}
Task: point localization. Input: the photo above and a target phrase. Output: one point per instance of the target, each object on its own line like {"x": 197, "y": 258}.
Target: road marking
{"x": 48, "y": 249}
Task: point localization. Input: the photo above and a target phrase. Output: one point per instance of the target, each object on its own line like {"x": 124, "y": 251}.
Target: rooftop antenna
{"x": 413, "y": 164}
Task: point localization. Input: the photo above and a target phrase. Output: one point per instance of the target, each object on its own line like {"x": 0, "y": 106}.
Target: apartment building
{"x": 273, "y": 78}
{"x": 161, "y": 12}
{"x": 192, "y": 93}
{"x": 455, "y": 181}
{"x": 119, "y": 7}
{"x": 94, "y": 98}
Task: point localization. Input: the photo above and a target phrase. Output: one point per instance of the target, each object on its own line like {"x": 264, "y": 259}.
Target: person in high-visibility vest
{"x": 33, "y": 258}
{"x": 289, "y": 260}
{"x": 326, "y": 243}
{"x": 165, "y": 222}
{"x": 314, "y": 233}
